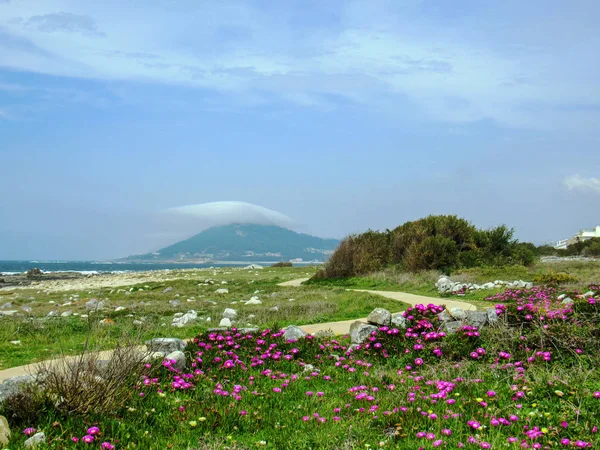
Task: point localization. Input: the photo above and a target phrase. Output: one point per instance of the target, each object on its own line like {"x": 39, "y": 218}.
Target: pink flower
{"x": 75, "y": 439}
{"x": 29, "y": 431}
{"x": 88, "y": 439}
{"x": 93, "y": 431}
{"x": 107, "y": 446}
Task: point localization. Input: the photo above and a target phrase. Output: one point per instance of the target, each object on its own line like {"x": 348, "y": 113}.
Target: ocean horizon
{"x": 15, "y": 267}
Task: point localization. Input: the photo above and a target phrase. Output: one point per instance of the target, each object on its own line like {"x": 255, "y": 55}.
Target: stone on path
{"x": 380, "y": 316}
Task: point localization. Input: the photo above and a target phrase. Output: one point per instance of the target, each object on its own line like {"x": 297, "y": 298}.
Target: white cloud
{"x": 579, "y": 183}
{"x": 206, "y": 215}
{"x": 374, "y": 50}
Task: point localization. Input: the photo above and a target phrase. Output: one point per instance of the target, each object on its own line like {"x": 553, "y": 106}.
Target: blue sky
{"x": 341, "y": 115}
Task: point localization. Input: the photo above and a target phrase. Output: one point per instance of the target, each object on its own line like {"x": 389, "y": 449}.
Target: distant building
{"x": 583, "y": 235}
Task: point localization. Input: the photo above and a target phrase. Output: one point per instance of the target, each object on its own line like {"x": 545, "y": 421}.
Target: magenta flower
{"x": 107, "y": 446}
{"x": 88, "y": 439}
{"x": 29, "y": 431}
{"x": 93, "y": 431}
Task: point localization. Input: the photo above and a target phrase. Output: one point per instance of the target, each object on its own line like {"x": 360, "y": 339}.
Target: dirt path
{"x": 341, "y": 327}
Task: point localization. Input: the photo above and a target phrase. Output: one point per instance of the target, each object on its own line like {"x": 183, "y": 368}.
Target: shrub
{"x": 283, "y": 264}
{"x": 26, "y": 406}
{"x": 88, "y": 385}
{"x": 441, "y": 243}
{"x": 555, "y": 278}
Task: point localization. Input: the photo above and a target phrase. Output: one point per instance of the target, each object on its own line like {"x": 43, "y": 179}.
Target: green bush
{"x": 555, "y": 278}
{"x": 443, "y": 243}
{"x": 283, "y": 264}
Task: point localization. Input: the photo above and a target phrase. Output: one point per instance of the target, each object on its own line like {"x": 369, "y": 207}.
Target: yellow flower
{"x": 544, "y": 430}
{"x": 559, "y": 393}
{"x": 533, "y": 405}
{"x": 479, "y": 399}
{"x": 202, "y": 419}
{"x": 193, "y": 423}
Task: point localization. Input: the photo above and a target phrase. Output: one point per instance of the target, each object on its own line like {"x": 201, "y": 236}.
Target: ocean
{"x": 93, "y": 267}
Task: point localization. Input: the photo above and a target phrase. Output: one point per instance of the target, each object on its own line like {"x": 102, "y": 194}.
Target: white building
{"x": 583, "y": 235}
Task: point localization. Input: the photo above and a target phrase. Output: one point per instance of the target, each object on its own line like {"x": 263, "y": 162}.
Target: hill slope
{"x": 242, "y": 242}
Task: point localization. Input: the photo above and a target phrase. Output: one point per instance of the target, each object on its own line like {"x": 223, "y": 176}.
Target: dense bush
{"x": 283, "y": 264}
{"x": 432, "y": 243}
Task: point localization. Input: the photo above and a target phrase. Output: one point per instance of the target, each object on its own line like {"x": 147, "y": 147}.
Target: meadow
{"x": 529, "y": 381}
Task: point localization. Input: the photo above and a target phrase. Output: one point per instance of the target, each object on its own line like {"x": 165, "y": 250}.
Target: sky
{"x": 339, "y": 115}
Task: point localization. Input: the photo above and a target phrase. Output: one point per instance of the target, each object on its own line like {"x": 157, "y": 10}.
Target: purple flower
{"x": 29, "y": 431}
{"x": 93, "y": 431}
{"x": 107, "y": 446}
{"x": 88, "y": 439}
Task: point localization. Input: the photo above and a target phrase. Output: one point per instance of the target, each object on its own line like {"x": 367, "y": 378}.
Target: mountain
{"x": 245, "y": 242}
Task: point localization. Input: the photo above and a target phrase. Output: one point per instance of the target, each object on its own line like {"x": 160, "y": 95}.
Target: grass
{"x": 42, "y": 337}
{"x": 529, "y": 384}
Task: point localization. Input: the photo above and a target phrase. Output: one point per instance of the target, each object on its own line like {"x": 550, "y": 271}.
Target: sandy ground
{"x": 109, "y": 280}
{"x": 339, "y": 328}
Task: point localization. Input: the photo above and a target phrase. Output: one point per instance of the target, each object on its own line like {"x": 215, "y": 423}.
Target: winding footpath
{"x": 341, "y": 327}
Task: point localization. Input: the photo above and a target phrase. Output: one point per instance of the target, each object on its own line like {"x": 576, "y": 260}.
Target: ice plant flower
{"x": 88, "y": 439}
{"x": 29, "y": 431}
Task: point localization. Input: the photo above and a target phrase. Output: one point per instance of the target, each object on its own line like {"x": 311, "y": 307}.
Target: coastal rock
{"x": 15, "y": 384}
{"x": 492, "y": 316}
{"x": 254, "y": 267}
{"x": 230, "y": 313}
{"x": 324, "y": 334}
{"x": 445, "y": 317}
{"x": 165, "y": 345}
{"x": 66, "y": 314}
{"x": 225, "y": 322}
{"x": 567, "y": 301}
{"x": 174, "y": 303}
{"x": 248, "y": 330}
{"x": 589, "y": 294}
{"x": 360, "y": 331}
{"x": 477, "y": 318}
{"x": 293, "y": 333}
{"x": 4, "y": 431}
{"x": 380, "y": 316}
{"x": 94, "y": 304}
{"x": 35, "y": 440}
{"x": 274, "y": 308}
{"x": 177, "y": 360}
{"x": 7, "y": 305}
{"x": 52, "y": 314}
{"x": 8, "y": 312}
{"x": 458, "y": 313}
{"x": 399, "y": 321}
{"x": 254, "y": 301}
{"x": 444, "y": 285}
{"x": 169, "y": 289}
{"x": 222, "y": 291}
{"x": 120, "y": 308}
{"x": 452, "y": 327}
{"x": 184, "y": 319}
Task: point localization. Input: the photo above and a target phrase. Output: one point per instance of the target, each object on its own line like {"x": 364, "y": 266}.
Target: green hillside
{"x": 242, "y": 242}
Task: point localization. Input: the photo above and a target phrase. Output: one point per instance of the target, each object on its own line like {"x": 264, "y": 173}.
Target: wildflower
{"x": 309, "y": 393}
{"x": 75, "y": 439}
{"x": 243, "y": 412}
{"x": 193, "y": 423}
{"x": 107, "y": 446}
{"x": 491, "y": 393}
{"x": 87, "y": 439}
{"x": 93, "y": 431}
{"x": 29, "y": 431}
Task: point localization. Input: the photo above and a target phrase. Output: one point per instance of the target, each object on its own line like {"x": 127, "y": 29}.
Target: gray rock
{"x": 293, "y": 333}
{"x": 458, "y": 313}
{"x": 165, "y": 345}
{"x": 230, "y": 313}
{"x": 445, "y": 317}
{"x": 153, "y": 356}
{"x": 26, "y": 309}
{"x": 94, "y": 304}
{"x": 4, "y": 431}
{"x": 52, "y": 314}
{"x": 66, "y": 314}
{"x": 489, "y": 285}
{"x": 253, "y": 267}
{"x": 248, "y": 330}
{"x": 137, "y": 323}
{"x": 222, "y": 291}
{"x": 589, "y": 294}
{"x": 179, "y": 358}
{"x": 452, "y": 327}
{"x": 477, "y": 318}
{"x": 399, "y": 321}
{"x": 444, "y": 285}
{"x": 184, "y": 319}
{"x": 324, "y": 334}
{"x": 360, "y": 332}
{"x": 274, "y": 308}
{"x": 528, "y": 285}
{"x": 225, "y": 322}
{"x": 567, "y": 301}
{"x": 169, "y": 289}
{"x": 35, "y": 440}
{"x": 174, "y": 303}
{"x": 561, "y": 297}
{"x": 8, "y": 312}
{"x": 380, "y": 316}
{"x": 14, "y": 384}
{"x": 7, "y": 305}
{"x": 492, "y": 316}
{"x": 254, "y": 301}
